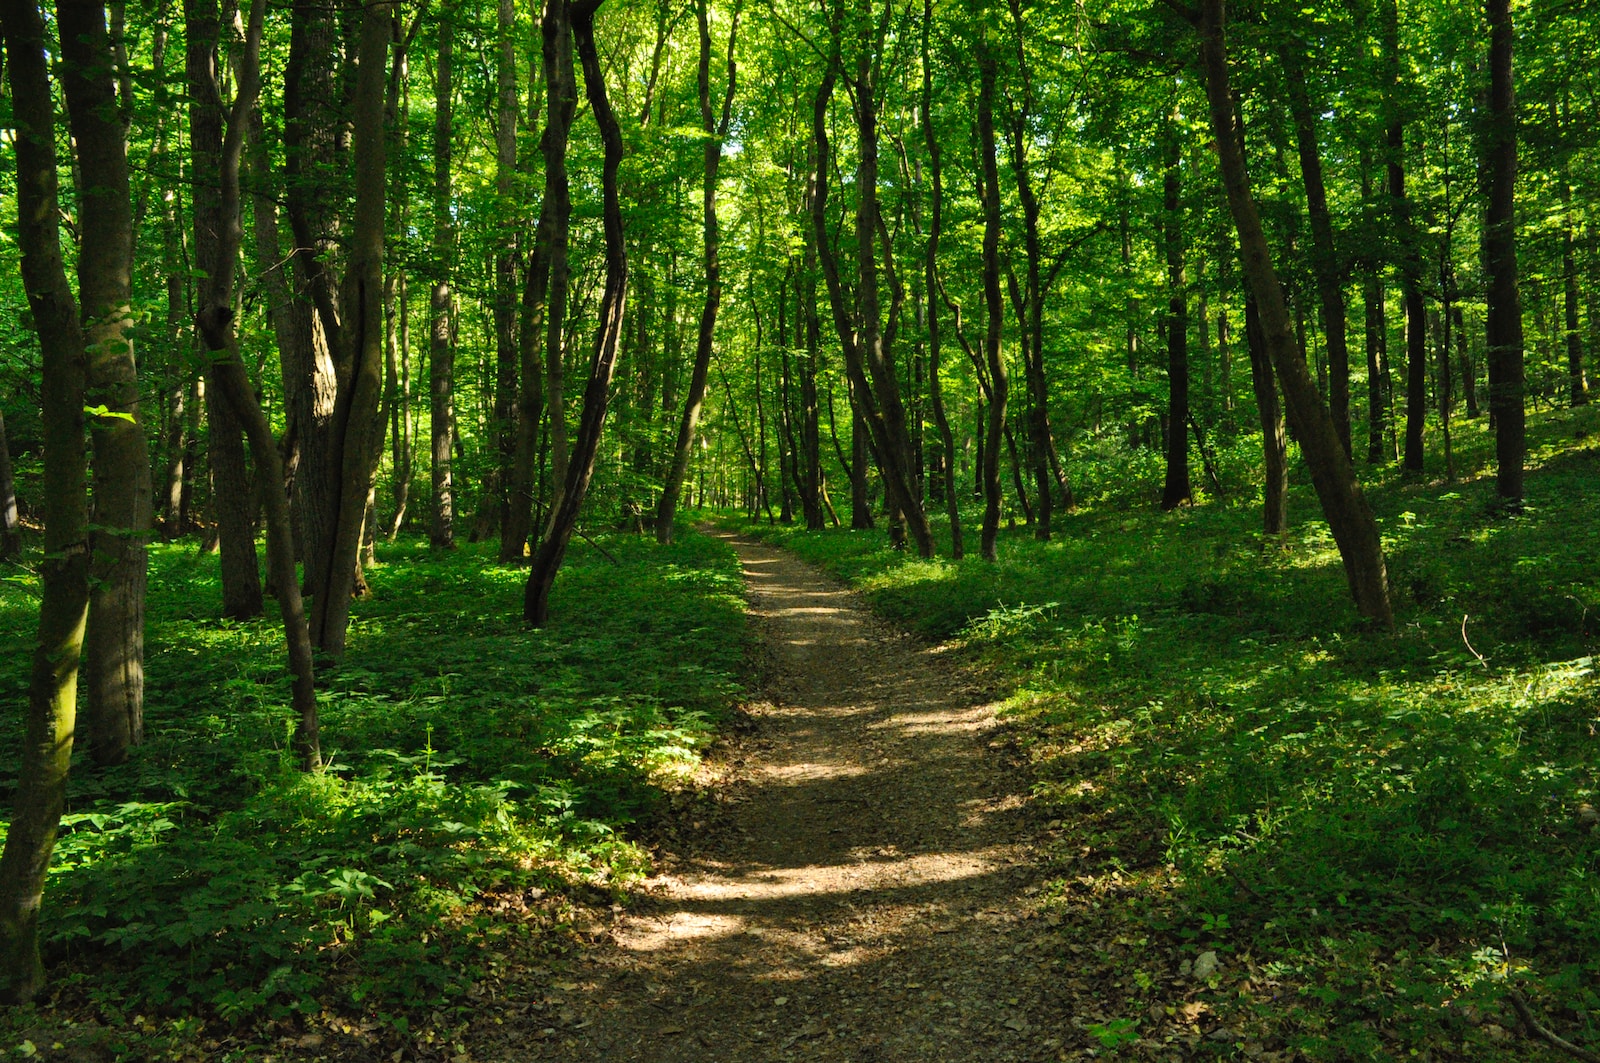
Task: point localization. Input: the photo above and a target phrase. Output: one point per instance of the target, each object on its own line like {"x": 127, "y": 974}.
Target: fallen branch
{"x": 597, "y": 546}
{"x": 1543, "y": 1033}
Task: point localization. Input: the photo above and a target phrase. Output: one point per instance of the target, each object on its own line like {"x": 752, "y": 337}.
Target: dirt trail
{"x": 861, "y": 896}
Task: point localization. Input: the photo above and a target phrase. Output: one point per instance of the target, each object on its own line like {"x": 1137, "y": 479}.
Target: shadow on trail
{"x": 859, "y": 898}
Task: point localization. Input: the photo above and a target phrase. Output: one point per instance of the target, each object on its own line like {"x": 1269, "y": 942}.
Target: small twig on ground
{"x": 1475, "y": 653}
{"x": 1543, "y": 1033}
{"x": 609, "y": 556}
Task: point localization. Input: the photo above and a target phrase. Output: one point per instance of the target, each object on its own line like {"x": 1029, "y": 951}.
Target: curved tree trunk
{"x": 586, "y": 446}
{"x": 1343, "y": 504}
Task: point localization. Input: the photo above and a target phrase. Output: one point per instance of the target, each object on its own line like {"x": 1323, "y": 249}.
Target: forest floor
{"x": 854, "y": 885}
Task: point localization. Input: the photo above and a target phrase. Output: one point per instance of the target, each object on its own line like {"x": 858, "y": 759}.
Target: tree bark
{"x": 441, "y": 352}
{"x": 114, "y": 667}
{"x": 1324, "y": 255}
{"x": 217, "y": 137}
{"x": 931, "y": 272}
{"x": 10, "y": 530}
{"x": 46, "y": 752}
{"x": 505, "y": 296}
{"x": 999, "y": 386}
{"x": 1500, "y": 254}
{"x": 715, "y": 133}
{"x": 357, "y": 432}
{"x": 1578, "y": 384}
{"x": 602, "y": 364}
{"x": 543, "y": 285}
{"x": 1343, "y": 504}
{"x": 1176, "y": 491}
{"x": 233, "y": 499}
{"x": 1274, "y": 440}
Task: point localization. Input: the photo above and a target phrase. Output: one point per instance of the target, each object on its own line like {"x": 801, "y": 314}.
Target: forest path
{"x": 856, "y": 894}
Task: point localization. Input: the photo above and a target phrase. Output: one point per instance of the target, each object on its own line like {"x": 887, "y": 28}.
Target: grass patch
{"x": 1375, "y": 833}
{"x": 481, "y": 777}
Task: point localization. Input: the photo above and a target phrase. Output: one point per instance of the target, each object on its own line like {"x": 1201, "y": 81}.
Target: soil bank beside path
{"x": 859, "y": 893}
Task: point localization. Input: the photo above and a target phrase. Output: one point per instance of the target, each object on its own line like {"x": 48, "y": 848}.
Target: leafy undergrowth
{"x": 207, "y": 897}
{"x": 1363, "y": 840}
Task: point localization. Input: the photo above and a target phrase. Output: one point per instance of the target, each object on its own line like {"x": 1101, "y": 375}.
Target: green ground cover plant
{"x": 1379, "y": 836}
{"x": 481, "y": 778}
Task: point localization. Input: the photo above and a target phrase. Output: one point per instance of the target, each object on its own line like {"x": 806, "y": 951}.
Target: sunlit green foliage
{"x": 472, "y": 761}
{"x": 1382, "y": 823}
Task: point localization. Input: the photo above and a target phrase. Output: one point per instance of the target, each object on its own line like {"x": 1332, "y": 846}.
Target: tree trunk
{"x": 715, "y": 133}
{"x": 1324, "y": 257}
{"x": 867, "y": 343}
{"x": 10, "y": 530}
{"x": 1410, "y": 259}
{"x": 1176, "y": 491}
{"x": 1500, "y": 254}
{"x": 232, "y": 493}
{"x": 602, "y": 365}
{"x": 1348, "y": 516}
{"x": 931, "y": 272}
{"x": 120, "y": 518}
{"x": 533, "y": 329}
{"x": 46, "y": 753}
{"x": 505, "y": 295}
{"x": 357, "y": 431}
{"x": 441, "y": 352}
{"x": 998, "y": 384}
{"x": 1578, "y": 384}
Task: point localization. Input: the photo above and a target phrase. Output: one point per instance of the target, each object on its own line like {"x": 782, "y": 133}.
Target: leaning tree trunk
{"x": 1324, "y": 258}
{"x": 114, "y": 666}
{"x": 1274, "y": 443}
{"x": 441, "y": 352}
{"x": 543, "y": 285}
{"x": 1349, "y": 518}
{"x": 715, "y": 133}
{"x": 602, "y": 365}
{"x": 1500, "y": 254}
{"x": 46, "y": 752}
{"x": 218, "y": 234}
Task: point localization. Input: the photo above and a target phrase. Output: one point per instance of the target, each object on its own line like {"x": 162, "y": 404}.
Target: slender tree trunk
{"x": 1578, "y": 389}
{"x": 218, "y": 234}
{"x": 1176, "y": 490}
{"x": 1274, "y": 440}
{"x": 1469, "y": 383}
{"x": 715, "y": 133}
{"x": 1410, "y": 258}
{"x": 114, "y": 667}
{"x": 534, "y": 330}
{"x": 46, "y": 752}
{"x": 602, "y": 365}
{"x": 441, "y": 352}
{"x": 357, "y": 431}
{"x": 993, "y": 360}
{"x": 10, "y": 529}
{"x": 1324, "y": 256}
{"x": 1343, "y": 504}
{"x": 1506, "y": 380}
{"x": 232, "y": 493}
{"x": 931, "y": 271}
{"x": 505, "y": 272}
